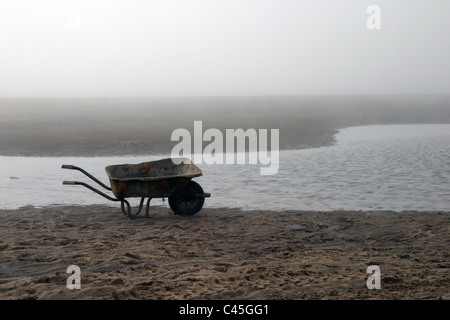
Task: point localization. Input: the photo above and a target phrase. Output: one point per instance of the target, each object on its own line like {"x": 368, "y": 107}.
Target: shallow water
{"x": 398, "y": 167}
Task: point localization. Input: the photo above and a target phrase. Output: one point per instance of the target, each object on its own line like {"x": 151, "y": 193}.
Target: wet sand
{"x": 223, "y": 254}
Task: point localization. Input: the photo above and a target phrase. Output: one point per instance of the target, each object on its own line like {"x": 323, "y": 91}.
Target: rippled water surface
{"x": 398, "y": 167}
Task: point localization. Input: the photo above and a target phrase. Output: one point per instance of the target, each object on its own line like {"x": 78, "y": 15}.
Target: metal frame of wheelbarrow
{"x": 122, "y": 200}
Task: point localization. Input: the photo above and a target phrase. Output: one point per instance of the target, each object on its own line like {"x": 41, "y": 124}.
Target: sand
{"x": 223, "y": 254}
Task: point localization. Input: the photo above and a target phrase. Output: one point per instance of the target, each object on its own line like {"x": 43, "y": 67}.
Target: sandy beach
{"x": 223, "y": 254}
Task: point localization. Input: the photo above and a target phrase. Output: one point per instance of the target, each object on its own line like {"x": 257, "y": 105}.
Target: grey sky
{"x": 222, "y": 47}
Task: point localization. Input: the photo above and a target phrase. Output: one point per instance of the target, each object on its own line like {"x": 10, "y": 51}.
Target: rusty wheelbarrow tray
{"x": 154, "y": 179}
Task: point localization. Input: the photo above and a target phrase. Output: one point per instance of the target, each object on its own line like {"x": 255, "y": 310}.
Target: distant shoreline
{"x": 117, "y": 127}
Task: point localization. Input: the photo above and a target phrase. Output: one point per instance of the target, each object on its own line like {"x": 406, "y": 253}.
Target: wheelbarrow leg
{"x": 128, "y": 210}
{"x": 140, "y": 206}
{"x": 147, "y": 207}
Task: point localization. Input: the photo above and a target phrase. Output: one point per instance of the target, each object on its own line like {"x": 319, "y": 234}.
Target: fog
{"x": 142, "y": 126}
{"x": 132, "y": 48}
{"x": 117, "y": 77}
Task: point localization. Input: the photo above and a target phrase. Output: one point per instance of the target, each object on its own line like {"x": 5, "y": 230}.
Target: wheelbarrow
{"x": 154, "y": 179}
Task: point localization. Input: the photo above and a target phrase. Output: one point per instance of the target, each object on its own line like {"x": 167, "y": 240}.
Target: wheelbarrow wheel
{"x": 186, "y": 202}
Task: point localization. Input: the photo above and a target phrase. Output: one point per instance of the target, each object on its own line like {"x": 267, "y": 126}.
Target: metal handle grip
{"x": 69, "y": 166}
{"x": 91, "y": 188}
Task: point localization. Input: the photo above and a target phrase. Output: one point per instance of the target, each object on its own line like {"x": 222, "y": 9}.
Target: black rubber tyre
{"x": 185, "y": 202}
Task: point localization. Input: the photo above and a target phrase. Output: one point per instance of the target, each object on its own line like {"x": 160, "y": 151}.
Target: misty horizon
{"x": 118, "y": 126}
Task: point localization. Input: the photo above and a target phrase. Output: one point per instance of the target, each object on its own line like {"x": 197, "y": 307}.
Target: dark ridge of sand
{"x": 223, "y": 254}
{"x": 143, "y": 126}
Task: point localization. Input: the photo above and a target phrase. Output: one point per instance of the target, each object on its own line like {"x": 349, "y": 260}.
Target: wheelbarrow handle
{"x": 91, "y": 188}
{"x": 71, "y": 167}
